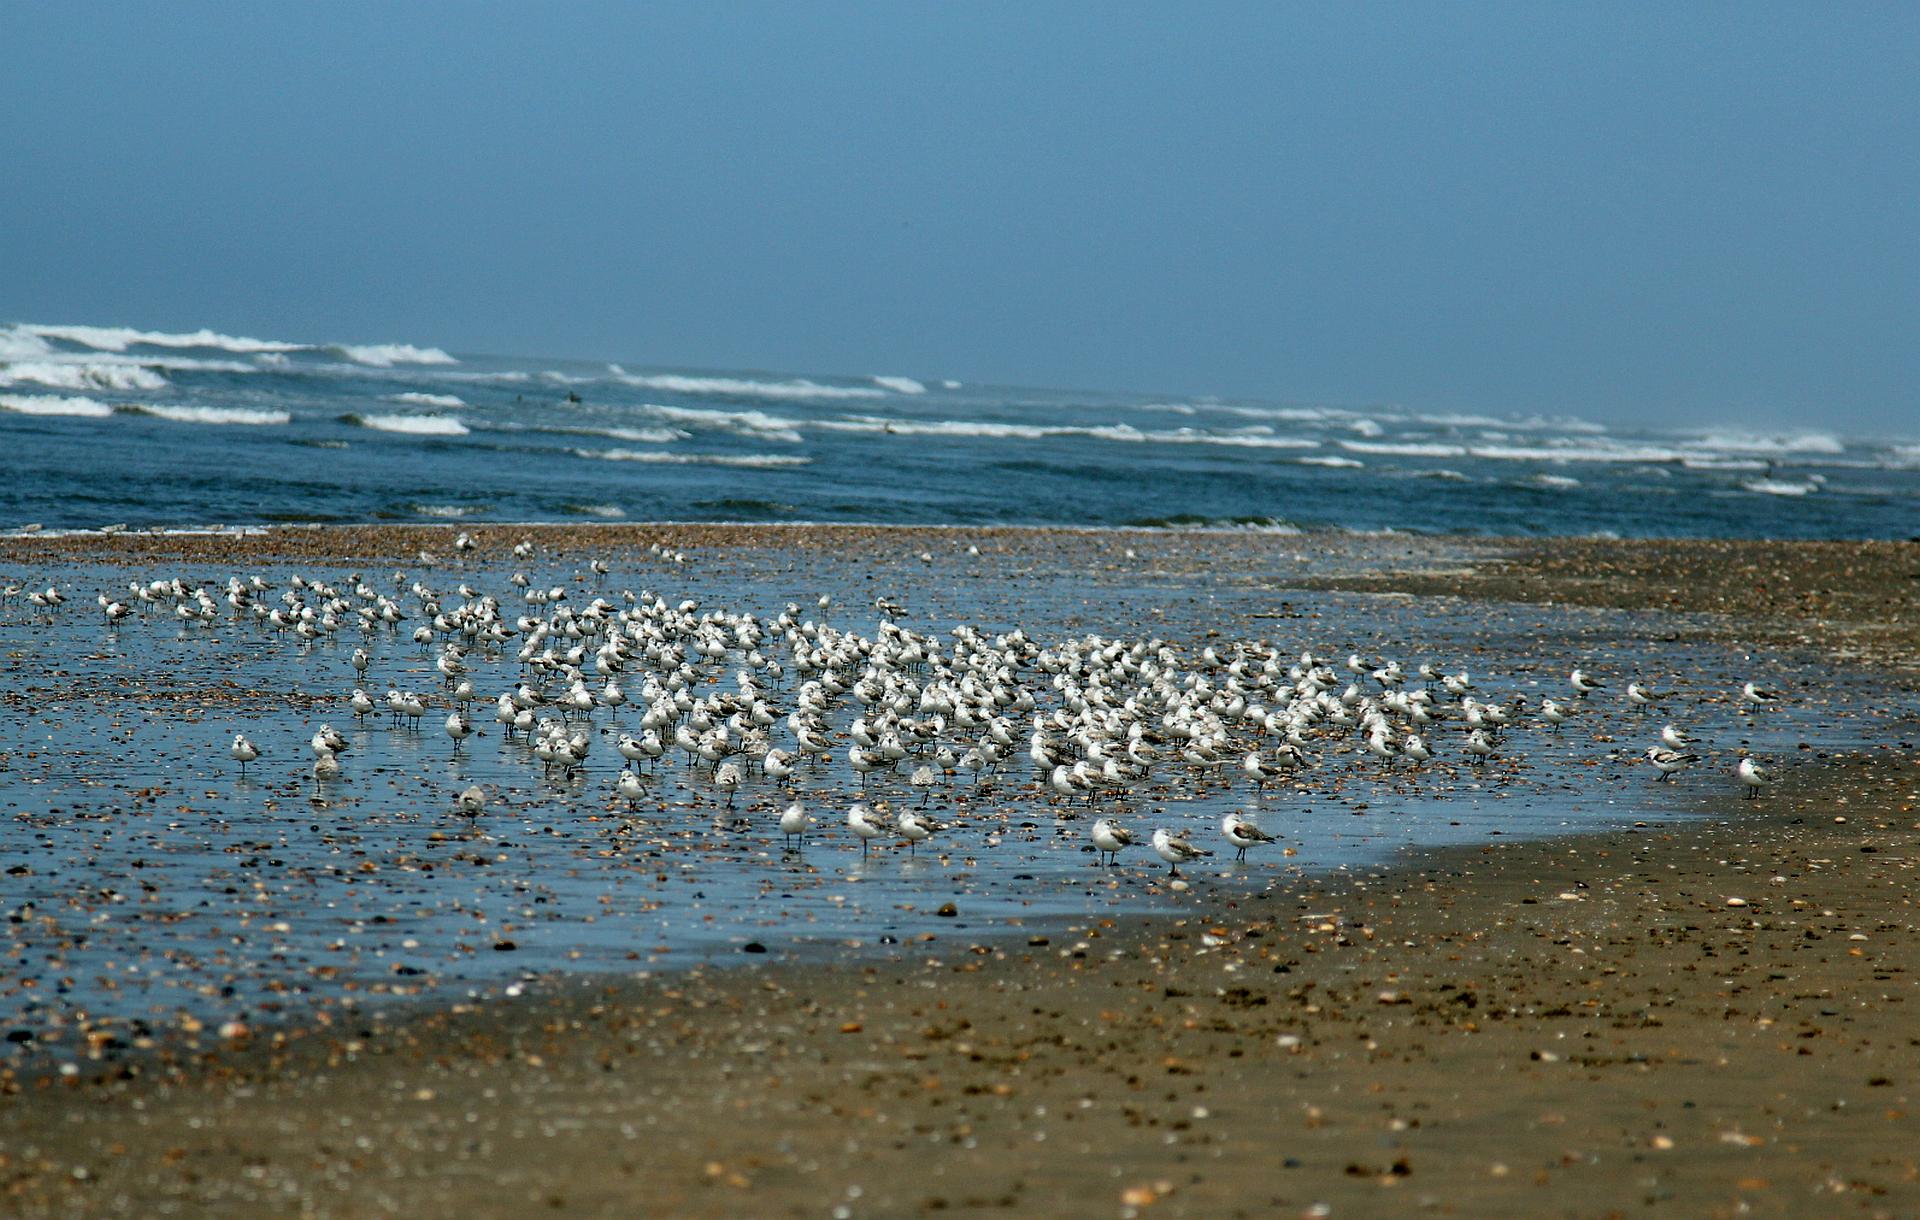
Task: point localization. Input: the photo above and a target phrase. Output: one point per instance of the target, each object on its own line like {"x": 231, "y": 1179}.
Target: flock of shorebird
{"x": 1098, "y": 717}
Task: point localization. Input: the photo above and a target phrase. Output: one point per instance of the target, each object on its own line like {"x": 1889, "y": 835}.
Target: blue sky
{"x": 1700, "y": 212}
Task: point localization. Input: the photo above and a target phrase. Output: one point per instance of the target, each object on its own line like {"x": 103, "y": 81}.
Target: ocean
{"x": 109, "y": 426}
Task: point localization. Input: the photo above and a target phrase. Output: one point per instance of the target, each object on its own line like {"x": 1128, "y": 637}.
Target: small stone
{"x": 947, "y": 910}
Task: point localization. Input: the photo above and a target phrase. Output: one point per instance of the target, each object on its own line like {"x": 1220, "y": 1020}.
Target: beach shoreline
{"x": 1592, "y": 1025}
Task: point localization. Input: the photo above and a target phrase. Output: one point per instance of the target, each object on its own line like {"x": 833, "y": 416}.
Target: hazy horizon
{"x": 1636, "y": 215}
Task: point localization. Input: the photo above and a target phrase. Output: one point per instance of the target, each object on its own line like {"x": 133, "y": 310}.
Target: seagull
{"x": 1668, "y": 762}
{"x": 1175, "y": 850}
{"x": 1753, "y": 692}
{"x": 1242, "y": 833}
{"x": 1583, "y": 684}
{"x": 867, "y": 824}
{"x": 1109, "y": 838}
{"x": 243, "y": 751}
{"x": 1754, "y": 776}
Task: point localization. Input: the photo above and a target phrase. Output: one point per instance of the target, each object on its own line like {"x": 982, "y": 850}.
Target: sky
{"x": 1699, "y": 212}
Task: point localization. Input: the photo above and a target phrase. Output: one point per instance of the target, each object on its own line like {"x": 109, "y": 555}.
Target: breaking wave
{"x": 418, "y": 399}
{"x": 799, "y": 389}
{"x": 386, "y": 355}
{"x": 743, "y": 461}
{"x": 37, "y": 404}
{"x": 207, "y": 415}
{"x": 62, "y": 375}
{"x": 411, "y": 425}
{"x": 900, "y": 385}
{"x": 756, "y": 424}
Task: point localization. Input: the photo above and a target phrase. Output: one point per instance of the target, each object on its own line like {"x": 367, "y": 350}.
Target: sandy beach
{"x": 1709, "y": 1013}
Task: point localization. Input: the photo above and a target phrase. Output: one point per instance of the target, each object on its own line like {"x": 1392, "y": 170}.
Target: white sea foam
{"x": 1556, "y": 481}
{"x": 412, "y": 425}
{"x": 609, "y": 511}
{"x": 800, "y": 390}
{"x": 900, "y": 385}
{"x": 1779, "y": 487}
{"x": 418, "y": 399}
{"x": 1404, "y": 448}
{"x": 1366, "y": 428}
{"x": 37, "y": 404}
{"x": 386, "y": 355}
{"x": 209, "y": 415}
{"x": 744, "y": 461}
{"x": 757, "y": 424}
{"x": 82, "y": 375}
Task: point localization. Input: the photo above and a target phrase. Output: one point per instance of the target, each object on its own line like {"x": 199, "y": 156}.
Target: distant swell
{"x": 120, "y": 338}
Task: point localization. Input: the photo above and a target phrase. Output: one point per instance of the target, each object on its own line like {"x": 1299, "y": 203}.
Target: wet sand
{"x": 1708, "y": 1017}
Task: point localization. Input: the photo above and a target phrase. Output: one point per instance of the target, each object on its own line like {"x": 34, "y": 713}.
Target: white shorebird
{"x": 472, "y": 802}
{"x": 1479, "y": 745}
{"x": 630, "y": 787}
{"x": 867, "y": 824}
{"x": 1582, "y": 684}
{"x": 243, "y": 751}
{"x": 1675, "y": 738}
{"x": 1108, "y": 838}
{"x": 326, "y": 765}
{"x": 459, "y": 728}
{"x": 1669, "y": 762}
{"x": 1758, "y": 695}
{"x": 1640, "y": 698}
{"x": 1175, "y": 850}
{"x": 1242, "y": 833}
{"x": 1753, "y": 776}
{"x": 727, "y": 778}
{"x": 916, "y": 828}
{"x": 793, "y": 822}
{"x": 1553, "y": 713}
